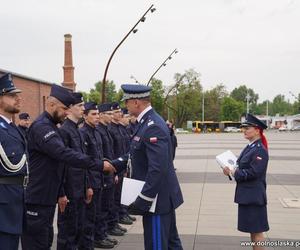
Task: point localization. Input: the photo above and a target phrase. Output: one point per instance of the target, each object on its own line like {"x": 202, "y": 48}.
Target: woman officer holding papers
{"x": 250, "y": 176}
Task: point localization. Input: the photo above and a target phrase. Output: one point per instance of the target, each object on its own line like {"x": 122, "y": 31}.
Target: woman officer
{"x": 250, "y": 176}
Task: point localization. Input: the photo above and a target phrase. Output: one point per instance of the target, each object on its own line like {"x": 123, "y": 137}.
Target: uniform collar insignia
{"x": 2, "y": 125}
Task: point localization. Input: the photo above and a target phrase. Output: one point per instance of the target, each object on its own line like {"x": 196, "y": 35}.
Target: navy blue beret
{"x": 114, "y": 106}
{"x": 104, "y": 107}
{"x": 78, "y": 98}
{"x": 90, "y": 106}
{"x": 62, "y": 94}
{"x": 7, "y": 85}
{"x": 24, "y": 116}
{"x": 135, "y": 91}
{"x": 252, "y": 121}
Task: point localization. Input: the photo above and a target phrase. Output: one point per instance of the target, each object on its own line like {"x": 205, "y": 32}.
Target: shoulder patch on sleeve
{"x": 49, "y": 134}
{"x": 150, "y": 123}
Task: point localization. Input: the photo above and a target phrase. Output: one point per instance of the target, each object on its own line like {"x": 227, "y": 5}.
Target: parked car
{"x": 232, "y": 129}
{"x": 296, "y": 128}
{"x": 282, "y": 128}
{"x": 181, "y": 131}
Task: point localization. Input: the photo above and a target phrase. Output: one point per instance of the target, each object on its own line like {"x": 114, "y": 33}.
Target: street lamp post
{"x": 132, "y": 30}
{"x": 175, "y": 51}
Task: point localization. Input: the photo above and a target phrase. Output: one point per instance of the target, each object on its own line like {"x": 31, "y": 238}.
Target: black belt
{"x": 14, "y": 180}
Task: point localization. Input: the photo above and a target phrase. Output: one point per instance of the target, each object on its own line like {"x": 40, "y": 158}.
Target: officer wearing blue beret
{"x": 151, "y": 161}
{"x": 74, "y": 190}
{"x": 13, "y": 167}
{"x": 250, "y": 176}
{"x": 48, "y": 157}
{"x": 24, "y": 123}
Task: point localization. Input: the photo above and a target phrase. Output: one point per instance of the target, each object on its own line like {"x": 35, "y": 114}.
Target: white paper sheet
{"x": 131, "y": 189}
{"x": 227, "y": 159}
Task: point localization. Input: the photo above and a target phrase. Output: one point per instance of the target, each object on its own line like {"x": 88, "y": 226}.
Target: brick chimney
{"x": 68, "y": 67}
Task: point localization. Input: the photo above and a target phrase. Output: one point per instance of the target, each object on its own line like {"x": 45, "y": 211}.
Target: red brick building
{"x": 34, "y": 93}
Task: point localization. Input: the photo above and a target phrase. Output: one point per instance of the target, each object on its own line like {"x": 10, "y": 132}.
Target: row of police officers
{"x": 76, "y": 155}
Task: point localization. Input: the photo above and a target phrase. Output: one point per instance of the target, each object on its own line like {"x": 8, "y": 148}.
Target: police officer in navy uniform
{"x": 250, "y": 176}
{"x": 108, "y": 207}
{"x": 151, "y": 161}
{"x": 13, "y": 167}
{"x": 119, "y": 150}
{"x": 24, "y": 123}
{"x": 75, "y": 190}
{"x": 48, "y": 157}
{"x": 94, "y": 146}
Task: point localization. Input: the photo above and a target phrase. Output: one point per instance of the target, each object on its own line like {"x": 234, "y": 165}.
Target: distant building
{"x": 34, "y": 93}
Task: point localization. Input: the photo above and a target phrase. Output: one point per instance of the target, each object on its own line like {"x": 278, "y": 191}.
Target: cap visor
{"x": 14, "y": 91}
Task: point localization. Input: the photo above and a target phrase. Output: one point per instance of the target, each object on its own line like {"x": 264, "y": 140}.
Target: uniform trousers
{"x": 70, "y": 225}
{"x": 160, "y": 232}
{"x": 38, "y": 233}
{"x": 9, "y": 241}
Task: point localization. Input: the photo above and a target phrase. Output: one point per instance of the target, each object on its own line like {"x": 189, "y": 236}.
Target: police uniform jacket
{"x": 125, "y": 138}
{"x": 118, "y": 146}
{"x": 251, "y": 175}
{"x": 152, "y": 162}
{"x": 47, "y": 158}
{"x": 94, "y": 148}
{"x": 11, "y": 196}
{"x": 107, "y": 152}
{"x": 75, "y": 179}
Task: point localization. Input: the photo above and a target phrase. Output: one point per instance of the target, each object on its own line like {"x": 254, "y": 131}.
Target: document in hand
{"x": 227, "y": 159}
{"x": 131, "y": 189}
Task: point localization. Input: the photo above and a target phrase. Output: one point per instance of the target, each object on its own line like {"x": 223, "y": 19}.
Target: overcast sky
{"x": 251, "y": 42}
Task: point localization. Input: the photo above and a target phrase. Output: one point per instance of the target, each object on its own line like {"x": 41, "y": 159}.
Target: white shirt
{"x": 143, "y": 112}
{"x": 6, "y": 119}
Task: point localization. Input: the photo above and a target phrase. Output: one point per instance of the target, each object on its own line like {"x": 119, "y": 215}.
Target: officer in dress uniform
{"x": 75, "y": 190}
{"x": 151, "y": 161}
{"x": 47, "y": 158}
{"x": 250, "y": 176}
{"x": 13, "y": 167}
{"x": 24, "y": 123}
{"x": 94, "y": 146}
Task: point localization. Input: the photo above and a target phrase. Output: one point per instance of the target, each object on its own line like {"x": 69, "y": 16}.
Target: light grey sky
{"x": 252, "y": 42}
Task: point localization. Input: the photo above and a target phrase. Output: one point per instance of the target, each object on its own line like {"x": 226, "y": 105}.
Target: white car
{"x": 282, "y": 128}
{"x": 296, "y": 128}
{"x": 232, "y": 129}
{"x": 181, "y": 131}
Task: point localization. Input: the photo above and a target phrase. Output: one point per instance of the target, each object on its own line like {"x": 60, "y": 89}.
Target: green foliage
{"x": 157, "y": 95}
{"x": 95, "y": 93}
{"x": 231, "y": 110}
{"x": 213, "y": 101}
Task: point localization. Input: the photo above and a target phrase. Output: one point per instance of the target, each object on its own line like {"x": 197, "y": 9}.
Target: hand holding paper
{"x": 227, "y": 160}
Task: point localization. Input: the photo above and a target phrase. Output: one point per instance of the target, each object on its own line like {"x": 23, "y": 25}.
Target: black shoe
{"x": 103, "y": 244}
{"x": 125, "y": 220}
{"x": 131, "y": 217}
{"x": 112, "y": 240}
{"x": 115, "y": 232}
{"x": 121, "y": 228}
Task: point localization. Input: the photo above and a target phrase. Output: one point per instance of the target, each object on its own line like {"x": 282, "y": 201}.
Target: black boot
{"x": 103, "y": 244}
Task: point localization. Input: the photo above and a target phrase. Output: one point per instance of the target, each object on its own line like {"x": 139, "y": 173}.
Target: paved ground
{"x": 207, "y": 219}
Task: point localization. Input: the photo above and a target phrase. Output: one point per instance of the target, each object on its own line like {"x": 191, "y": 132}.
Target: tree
{"x": 157, "y": 95}
{"x": 212, "y": 102}
{"x": 184, "y": 97}
{"x": 231, "y": 110}
{"x": 96, "y": 93}
{"x": 240, "y": 94}
{"x": 280, "y": 106}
